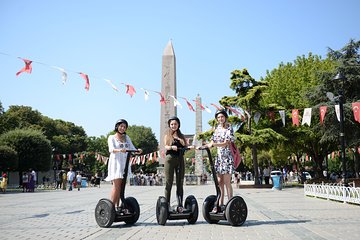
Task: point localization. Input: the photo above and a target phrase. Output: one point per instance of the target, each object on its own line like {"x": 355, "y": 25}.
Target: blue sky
{"x": 124, "y": 40}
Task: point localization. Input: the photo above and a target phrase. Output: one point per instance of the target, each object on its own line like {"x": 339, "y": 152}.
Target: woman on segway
{"x": 118, "y": 144}
{"x": 224, "y": 163}
{"x": 174, "y": 161}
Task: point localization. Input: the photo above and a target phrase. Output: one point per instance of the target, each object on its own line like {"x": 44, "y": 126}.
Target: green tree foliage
{"x": 258, "y": 136}
{"x": 33, "y": 149}
{"x": 143, "y": 137}
{"x": 9, "y": 160}
{"x": 20, "y": 117}
{"x": 289, "y": 87}
{"x": 96, "y": 145}
{"x": 347, "y": 62}
{"x": 65, "y": 137}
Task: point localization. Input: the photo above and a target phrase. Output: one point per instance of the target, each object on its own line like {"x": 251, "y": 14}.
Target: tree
{"x": 143, "y": 137}
{"x": 34, "y": 150}
{"x": 8, "y": 158}
{"x": 256, "y": 136}
{"x": 20, "y": 117}
{"x": 249, "y": 100}
{"x": 290, "y": 87}
{"x": 348, "y": 63}
{"x": 65, "y": 137}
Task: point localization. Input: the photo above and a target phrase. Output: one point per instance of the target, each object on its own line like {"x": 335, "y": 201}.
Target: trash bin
{"x": 83, "y": 182}
{"x": 276, "y": 177}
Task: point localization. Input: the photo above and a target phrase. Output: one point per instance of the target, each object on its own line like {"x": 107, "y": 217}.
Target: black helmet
{"x": 223, "y": 112}
{"x": 174, "y": 118}
{"x": 118, "y": 122}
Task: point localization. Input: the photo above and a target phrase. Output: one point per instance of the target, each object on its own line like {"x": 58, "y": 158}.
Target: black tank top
{"x": 178, "y": 145}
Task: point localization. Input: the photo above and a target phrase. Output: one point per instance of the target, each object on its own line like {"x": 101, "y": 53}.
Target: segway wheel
{"x": 207, "y": 207}
{"x": 133, "y": 207}
{"x": 236, "y": 211}
{"x": 105, "y": 213}
{"x": 162, "y": 210}
{"x": 192, "y": 205}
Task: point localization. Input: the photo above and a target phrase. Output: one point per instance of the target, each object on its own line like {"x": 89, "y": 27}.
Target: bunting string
{"x": 239, "y": 112}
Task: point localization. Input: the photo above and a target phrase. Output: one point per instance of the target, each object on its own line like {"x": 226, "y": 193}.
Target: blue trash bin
{"x": 276, "y": 177}
{"x": 84, "y": 182}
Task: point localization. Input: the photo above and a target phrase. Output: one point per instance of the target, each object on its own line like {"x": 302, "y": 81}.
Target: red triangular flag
{"x": 322, "y": 113}
{"x": 130, "y": 90}
{"x": 189, "y": 104}
{"x": 87, "y": 81}
{"x": 199, "y": 104}
{"x": 27, "y": 68}
{"x": 217, "y": 107}
{"x": 295, "y": 117}
{"x": 356, "y": 111}
{"x": 162, "y": 98}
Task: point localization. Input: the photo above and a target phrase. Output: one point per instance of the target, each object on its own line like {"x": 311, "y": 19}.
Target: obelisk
{"x": 168, "y": 88}
{"x": 199, "y": 165}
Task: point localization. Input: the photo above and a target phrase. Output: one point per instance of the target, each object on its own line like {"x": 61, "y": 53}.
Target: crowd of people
{"x": 147, "y": 179}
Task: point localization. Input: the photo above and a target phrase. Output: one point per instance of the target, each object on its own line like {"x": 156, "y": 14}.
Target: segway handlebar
{"x": 182, "y": 150}
{"x": 203, "y": 147}
{"x": 132, "y": 150}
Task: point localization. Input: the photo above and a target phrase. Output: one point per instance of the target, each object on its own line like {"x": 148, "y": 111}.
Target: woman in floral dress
{"x": 224, "y": 163}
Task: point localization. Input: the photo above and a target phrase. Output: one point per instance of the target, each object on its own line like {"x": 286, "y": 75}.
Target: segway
{"x": 235, "y": 211}
{"x": 190, "y": 211}
{"x": 128, "y": 212}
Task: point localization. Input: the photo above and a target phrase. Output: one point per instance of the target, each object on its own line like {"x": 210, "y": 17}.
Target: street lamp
{"x": 340, "y": 77}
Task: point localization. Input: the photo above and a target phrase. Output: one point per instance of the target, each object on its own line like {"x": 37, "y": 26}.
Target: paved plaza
{"x": 272, "y": 214}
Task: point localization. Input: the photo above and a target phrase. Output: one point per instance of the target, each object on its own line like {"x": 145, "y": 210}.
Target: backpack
{"x": 236, "y": 154}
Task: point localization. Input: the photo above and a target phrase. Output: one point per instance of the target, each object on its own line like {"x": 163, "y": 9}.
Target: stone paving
{"x": 272, "y": 214}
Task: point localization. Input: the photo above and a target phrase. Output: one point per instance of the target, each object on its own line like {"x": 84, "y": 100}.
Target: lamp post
{"x": 340, "y": 77}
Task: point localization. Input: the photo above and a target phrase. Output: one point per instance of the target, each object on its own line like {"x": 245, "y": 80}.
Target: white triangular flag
{"x": 111, "y": 84}
{"x": 337, "y": 111}
{"x": 146, "y": 94}
{"x": 257, "y": 117}
{"x": 282, "y": 115}
{"x": 306, "y": 117}
{"x": 63, "y": 72}
{"x": 176, "y": 102}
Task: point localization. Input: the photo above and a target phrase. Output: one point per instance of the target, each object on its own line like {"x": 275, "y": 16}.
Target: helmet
{"x": 223, "y": 112}
{"x": 174, "y": 118}
{"x": 118, "y": 122}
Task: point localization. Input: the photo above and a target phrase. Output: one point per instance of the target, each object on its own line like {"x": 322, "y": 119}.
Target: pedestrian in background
{"x": 25, "y": 181}
{"x": 70, "y": 179}
{"x": 78, "y": 181}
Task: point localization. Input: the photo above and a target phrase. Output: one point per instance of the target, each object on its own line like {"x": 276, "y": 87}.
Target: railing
{"x": 333, "y": 192}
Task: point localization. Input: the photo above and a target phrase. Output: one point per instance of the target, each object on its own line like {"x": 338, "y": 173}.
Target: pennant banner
{"x": 27, "y": 67}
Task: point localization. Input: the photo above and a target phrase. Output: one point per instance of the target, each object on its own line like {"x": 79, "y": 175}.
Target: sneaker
{"x": 222, "y": 208}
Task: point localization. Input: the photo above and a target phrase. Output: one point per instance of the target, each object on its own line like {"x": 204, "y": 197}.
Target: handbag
{"x": 236, "y": 154}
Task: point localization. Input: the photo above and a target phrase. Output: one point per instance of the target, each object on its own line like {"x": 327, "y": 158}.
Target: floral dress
{"x": 224, "y": 163}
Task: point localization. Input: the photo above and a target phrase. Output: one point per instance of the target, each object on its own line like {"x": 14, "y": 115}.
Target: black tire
{"x": 162, "y": 210}
{"x": 192, "y": 205}
{"x": 236, "y": 211}
{"x": 207, "y": 207}
{"x": 105, "y": 213}
{"x": 134, "y": 208}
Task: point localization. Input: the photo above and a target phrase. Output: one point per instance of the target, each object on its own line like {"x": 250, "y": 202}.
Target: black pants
{"x": 174, "y": 164}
